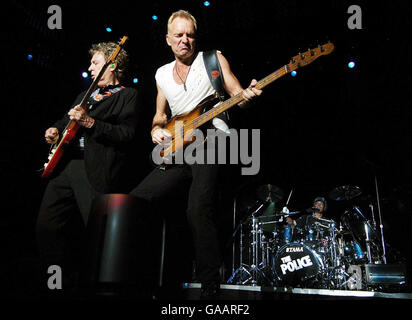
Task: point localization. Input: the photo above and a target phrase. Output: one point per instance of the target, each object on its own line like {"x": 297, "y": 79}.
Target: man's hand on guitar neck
{"x": 80, "y": 115}
{"x": 250, "y": 93}
{"x": 52, "y": 135}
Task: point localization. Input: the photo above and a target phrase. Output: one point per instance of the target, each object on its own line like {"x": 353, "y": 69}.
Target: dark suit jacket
{"x": 110, "y": 141}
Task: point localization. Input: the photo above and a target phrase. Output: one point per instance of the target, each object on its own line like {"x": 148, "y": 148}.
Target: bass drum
{"x": 295, "y": 263}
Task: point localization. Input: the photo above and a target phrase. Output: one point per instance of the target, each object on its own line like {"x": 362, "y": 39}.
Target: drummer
{"x": 317, "y": 211}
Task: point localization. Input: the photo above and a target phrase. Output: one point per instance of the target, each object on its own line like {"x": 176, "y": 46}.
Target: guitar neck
{"x": 92, "y": 87}
{"x": 212, "y": 113}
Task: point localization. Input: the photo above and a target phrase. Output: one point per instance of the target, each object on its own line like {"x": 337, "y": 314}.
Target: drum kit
{"x": 322, "y": 254}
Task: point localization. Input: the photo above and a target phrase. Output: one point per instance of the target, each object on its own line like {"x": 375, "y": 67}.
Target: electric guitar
{"x": 182, "y": 126}
{"x": 69, "y": 133}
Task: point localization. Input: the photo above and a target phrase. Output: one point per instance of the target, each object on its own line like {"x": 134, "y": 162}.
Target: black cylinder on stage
{"x": 117, "y": 241}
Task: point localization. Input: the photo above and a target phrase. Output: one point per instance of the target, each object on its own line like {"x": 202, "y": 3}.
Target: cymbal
{"x": 345, "y": 193}
{"x": 269, "y": 192}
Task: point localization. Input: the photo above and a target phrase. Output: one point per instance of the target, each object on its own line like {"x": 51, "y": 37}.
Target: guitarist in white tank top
{"x": 180, "y": 91}
{"x": 197, "y": 85}
{"x": 181, "y": 85}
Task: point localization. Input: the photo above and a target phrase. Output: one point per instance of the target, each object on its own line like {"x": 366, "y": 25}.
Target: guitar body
{"x": 57, "y": 152}
{"x": 181, "y": 129}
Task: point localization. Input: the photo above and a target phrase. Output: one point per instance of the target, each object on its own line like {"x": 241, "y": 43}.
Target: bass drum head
{"x": 296, "y": 262}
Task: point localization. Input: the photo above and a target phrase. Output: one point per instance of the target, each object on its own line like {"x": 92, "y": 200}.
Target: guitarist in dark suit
{"x": 181, "y": 86}
{"x": 96, "y": 161}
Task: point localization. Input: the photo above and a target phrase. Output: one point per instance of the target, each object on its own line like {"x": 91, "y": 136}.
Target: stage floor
{"x": 250, "y": 292}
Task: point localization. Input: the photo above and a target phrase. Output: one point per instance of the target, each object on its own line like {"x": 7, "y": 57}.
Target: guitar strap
{"x": 216, "y": 77}
{"x": 100, "y": 94}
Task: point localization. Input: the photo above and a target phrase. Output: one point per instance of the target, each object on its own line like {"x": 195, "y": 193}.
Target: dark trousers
{"x": 66, "y": 202}
{"x": 160, "y": 187}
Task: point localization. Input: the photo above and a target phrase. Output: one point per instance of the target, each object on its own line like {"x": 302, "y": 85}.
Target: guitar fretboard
{"x": 298, "y": 61}
{"x": 214, "y": 112}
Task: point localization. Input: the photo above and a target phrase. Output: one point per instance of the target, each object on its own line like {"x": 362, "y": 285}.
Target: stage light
{"x": 206, "y": 3}
{"x": 108, "y": 29}
{"x": 351, "y": 64}
{"x": 155, "y": 17}
{"x": 135, "y": 80}
{"x": 29, "y": 57}
{"x": 293, "y": 73}
{"x": 85, "y": 74}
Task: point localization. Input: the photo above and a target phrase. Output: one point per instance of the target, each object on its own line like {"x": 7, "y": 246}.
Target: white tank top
{"x": 197, "y": 84}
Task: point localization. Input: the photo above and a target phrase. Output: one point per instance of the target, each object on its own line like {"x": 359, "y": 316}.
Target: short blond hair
{"x": 181, "y": 14}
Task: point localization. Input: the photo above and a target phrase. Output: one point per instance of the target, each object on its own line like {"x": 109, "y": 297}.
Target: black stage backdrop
{"x": 327, "y": 127}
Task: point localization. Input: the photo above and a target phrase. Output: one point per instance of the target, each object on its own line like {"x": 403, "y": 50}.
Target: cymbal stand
{"x": 368, "y": 243}
{"x": 234, "y": 244}
{"x": 380, "y": 222}
{"x": 373, "y": 216}
{"x": 367, "y": 240}
{"x": 242, "y": 272}
{"x": 334, "y": 251}
{"x": 336, "y": 269}
{"x": 256, "y": 241}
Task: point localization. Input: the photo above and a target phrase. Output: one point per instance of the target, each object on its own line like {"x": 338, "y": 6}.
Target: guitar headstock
{"x": 303, "y": 59}
{"x": 120, "y": 45}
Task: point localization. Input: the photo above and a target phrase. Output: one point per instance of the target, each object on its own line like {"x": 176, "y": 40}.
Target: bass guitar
{"x": 182, "y": 126}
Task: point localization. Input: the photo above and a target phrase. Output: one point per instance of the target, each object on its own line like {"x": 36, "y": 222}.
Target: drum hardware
{"x": 320, "y": 256}
{"x": 354, "y": 276}
{"x": 242, "y": 273}
{"x": 257, "y": 267}
{"x": 373, "y": 216}
{"x": 245, "y": 201}
{"x": 256, "y": 271}
{"x": 368, "y": 243}
{"x": 362, "y": 232}
{"x": 380, "y": 221}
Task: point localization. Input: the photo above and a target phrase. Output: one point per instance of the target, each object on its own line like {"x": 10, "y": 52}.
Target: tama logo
{"x": 298, "y": 249}
{"x": 294, "y": 265}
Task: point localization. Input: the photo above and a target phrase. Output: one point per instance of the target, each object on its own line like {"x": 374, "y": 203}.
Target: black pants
{"x": 67, "y": 201}
{"x": 161, "y": 186}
